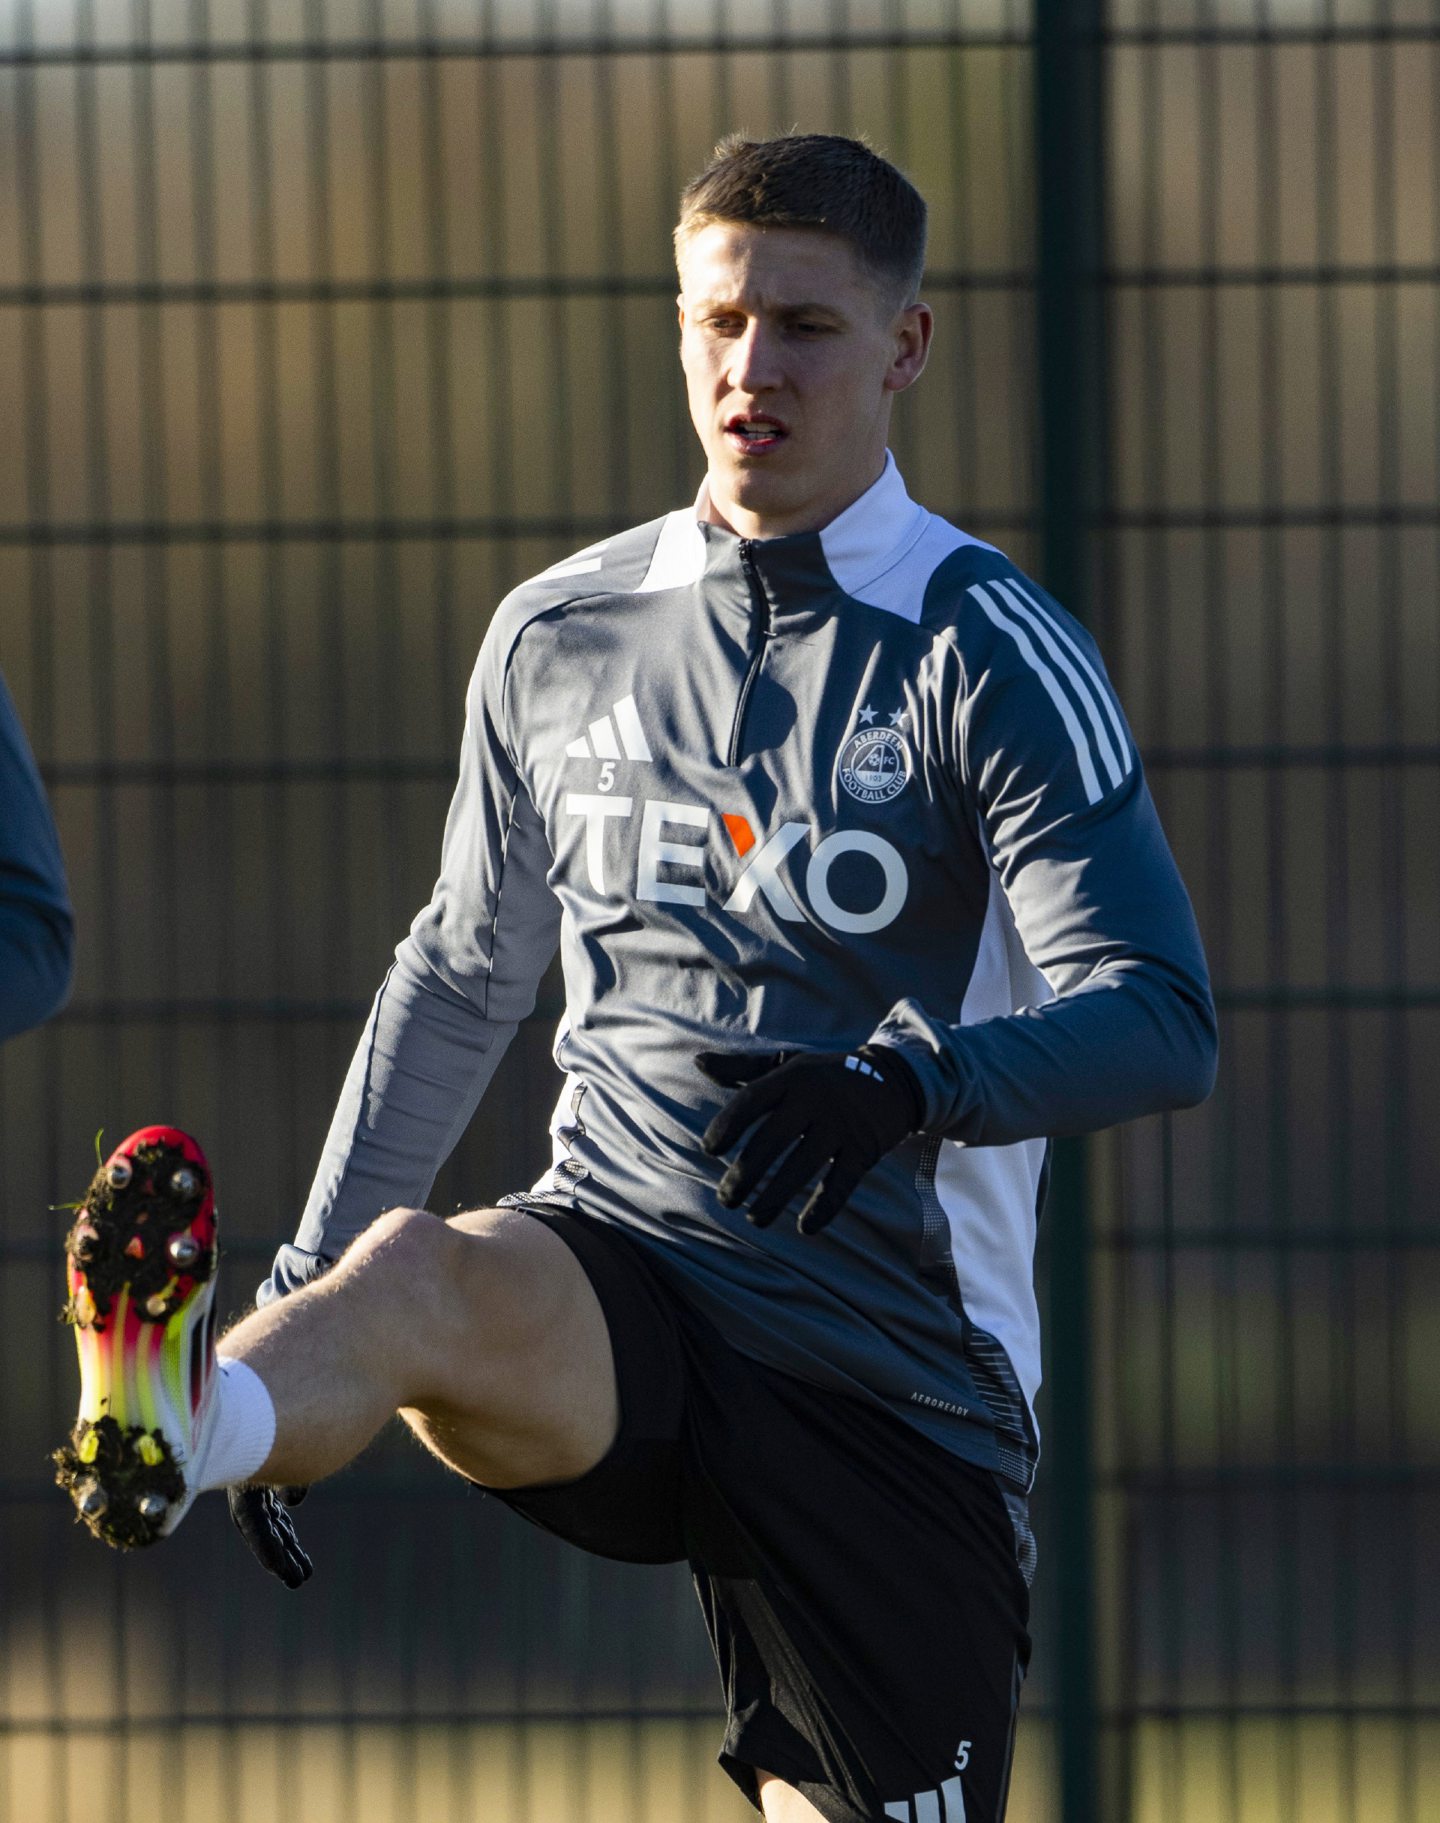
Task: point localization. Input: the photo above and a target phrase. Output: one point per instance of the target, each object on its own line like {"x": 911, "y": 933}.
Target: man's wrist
{"x": 896, "y": 1068}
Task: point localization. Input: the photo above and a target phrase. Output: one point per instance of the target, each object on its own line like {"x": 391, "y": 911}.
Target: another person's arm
{"x": 36, "y": 927}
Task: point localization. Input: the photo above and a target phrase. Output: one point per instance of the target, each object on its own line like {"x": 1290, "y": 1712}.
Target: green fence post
{"x": 1069, "y": 156}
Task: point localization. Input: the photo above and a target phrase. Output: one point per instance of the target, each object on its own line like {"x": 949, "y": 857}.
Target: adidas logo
{"x": 944, "y": 1806}
{"x": 601, "y": 743}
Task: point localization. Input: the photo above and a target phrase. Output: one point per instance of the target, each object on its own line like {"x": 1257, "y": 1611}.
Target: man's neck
{"x": 733, "y": 518}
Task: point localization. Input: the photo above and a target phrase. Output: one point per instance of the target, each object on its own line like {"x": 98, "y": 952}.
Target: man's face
{"x": 792, "y": 356}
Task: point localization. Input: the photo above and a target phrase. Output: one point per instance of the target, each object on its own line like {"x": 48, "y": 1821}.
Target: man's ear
{"x": 913, "y": 333}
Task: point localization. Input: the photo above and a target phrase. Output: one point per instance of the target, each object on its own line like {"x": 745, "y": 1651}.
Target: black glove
{"x": 262, "y": 1520}
{"x": 829, "y": 1115}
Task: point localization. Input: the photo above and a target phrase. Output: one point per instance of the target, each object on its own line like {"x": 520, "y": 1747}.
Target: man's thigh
{"x": 629, "y": 1504}
{"x": 524, "y": 1386}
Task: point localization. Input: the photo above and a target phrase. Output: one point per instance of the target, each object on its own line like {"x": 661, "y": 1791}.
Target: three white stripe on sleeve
{"x": 1090, "y": 690}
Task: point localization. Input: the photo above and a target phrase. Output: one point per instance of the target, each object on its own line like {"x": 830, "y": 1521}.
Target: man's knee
{"x": 388, "y": 1240}
{"x": 396, "y": 1261}
{"x": 484, "y": 1294}
{"x": 477, "y": 1269}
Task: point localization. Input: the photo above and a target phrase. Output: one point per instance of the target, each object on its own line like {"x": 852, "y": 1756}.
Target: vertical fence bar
{"x": 1068, "y": 126}
{"x": 44, "y": 592}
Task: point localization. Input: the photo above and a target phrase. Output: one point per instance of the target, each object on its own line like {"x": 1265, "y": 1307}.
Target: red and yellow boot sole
{"x": 140, "y": 1265}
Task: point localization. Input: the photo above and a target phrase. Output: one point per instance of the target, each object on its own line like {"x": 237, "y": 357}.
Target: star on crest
{"x": 899, "y": 717}
{"x": 867, "y": 715}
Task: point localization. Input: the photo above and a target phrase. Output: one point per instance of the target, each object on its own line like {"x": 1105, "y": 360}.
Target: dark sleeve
{"x": 36, "y": 927}
{"x": 1116, "y": 1018}
{"x": 461, "y": 982}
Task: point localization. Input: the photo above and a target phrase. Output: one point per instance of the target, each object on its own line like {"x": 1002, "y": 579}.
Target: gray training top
{"x": 868, "y": 783}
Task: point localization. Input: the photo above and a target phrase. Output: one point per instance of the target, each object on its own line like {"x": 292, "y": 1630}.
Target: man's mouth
{"x": 755, "y": 433}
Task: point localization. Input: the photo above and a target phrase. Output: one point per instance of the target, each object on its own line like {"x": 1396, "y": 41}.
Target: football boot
{"x": 140, "y": 1267}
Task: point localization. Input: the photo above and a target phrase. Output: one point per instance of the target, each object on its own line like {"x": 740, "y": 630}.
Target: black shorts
{"x": 860, "y": 1584}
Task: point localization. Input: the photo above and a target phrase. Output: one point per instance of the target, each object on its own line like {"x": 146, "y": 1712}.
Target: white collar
{"x": 872, "y": 533}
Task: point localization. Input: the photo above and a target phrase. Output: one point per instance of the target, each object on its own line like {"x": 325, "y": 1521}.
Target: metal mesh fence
{"x": 1271, "y": 1262}
{"x": 320, "y": 327}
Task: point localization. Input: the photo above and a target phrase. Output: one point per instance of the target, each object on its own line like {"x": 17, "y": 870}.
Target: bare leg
{"x": 484, "y": 1331}
{"x": 781, "y": 1803}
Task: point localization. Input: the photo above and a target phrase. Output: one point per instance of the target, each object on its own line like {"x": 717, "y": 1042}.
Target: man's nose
{"x": 754, "y": 364}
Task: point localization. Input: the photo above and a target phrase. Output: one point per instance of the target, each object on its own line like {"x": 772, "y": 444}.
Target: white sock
{"x": 242, "y": 1431}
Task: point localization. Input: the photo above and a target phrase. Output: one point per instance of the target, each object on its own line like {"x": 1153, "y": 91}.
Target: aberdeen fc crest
{"x": 874, "y": 765}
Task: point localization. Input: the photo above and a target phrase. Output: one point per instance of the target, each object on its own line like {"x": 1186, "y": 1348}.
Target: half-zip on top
{"x": 760, "y": 630}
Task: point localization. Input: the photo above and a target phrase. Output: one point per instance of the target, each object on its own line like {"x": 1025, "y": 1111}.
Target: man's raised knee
{"x": 495, "y": 1280}
{"x": 399, "y": 1265}
{"x": 392, "y": 1239}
